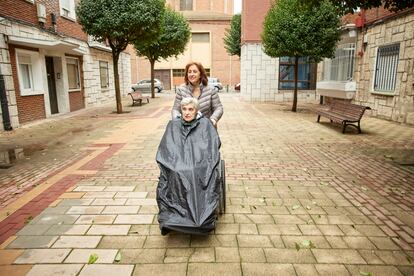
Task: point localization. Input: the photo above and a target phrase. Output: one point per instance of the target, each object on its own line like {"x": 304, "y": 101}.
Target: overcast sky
{"x": 237, "y": 6}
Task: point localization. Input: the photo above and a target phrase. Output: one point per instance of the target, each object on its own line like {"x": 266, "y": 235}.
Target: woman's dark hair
{"x": 203, "y": 74}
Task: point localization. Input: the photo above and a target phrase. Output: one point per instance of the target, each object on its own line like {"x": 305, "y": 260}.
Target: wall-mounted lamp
{"x": 352, "y": 33}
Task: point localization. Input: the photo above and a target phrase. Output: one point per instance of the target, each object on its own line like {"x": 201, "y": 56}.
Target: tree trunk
{"x": 152, "y": 78}
{"x": 295, "y": 92}
{"x": 115, "y": 58}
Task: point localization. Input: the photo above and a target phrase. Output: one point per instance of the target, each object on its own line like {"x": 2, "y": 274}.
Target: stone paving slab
{"x": 106, "y": 270}
{"x": 33, "y": 242}
{"x": 57, "y": 269}
{"x": 42, "y": 256}
{"x": 15, "y": 270}
{"x": 77, "y": 242}
{"x": 82, "y": 255}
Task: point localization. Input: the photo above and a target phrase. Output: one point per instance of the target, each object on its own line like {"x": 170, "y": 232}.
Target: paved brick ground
{"x": 303, "y": 199}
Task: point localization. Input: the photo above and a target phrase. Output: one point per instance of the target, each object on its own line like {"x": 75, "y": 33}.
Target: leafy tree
{"x": 232, "y": 37}
{"x": 291, "y": 29}
{"x": 118, "y": 22}
{"x": 171, "y": 41}
{"x": 346, "y": 6}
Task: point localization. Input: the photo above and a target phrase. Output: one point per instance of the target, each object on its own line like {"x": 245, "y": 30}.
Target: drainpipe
{"x": 4, "y": 105}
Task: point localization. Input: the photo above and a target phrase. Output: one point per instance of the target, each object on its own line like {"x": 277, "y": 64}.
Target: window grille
{"x": 341, "y": 67}
{"x": 200, "y": 37}
{"x": 386, "y": 68}
{"x": 72, "y": 66}
{"x": 186, "y": 5}
{"x": 104, "y": 73}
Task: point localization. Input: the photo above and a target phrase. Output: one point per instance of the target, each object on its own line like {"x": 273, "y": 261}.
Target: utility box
{"x": 41, "y": 13}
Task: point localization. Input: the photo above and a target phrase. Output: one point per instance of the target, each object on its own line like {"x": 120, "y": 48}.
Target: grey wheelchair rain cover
{"x": 189, "y": 185}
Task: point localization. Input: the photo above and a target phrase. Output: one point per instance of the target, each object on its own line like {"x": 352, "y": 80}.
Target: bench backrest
{"x": 353, "y": 111}
{"x": 136, "y": 94}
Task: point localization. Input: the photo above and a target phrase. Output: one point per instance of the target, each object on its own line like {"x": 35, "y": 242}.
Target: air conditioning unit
{"x": 41, "y": 13}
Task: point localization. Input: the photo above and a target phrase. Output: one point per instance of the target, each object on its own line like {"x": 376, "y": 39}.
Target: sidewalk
{"x": 302, "y": 198}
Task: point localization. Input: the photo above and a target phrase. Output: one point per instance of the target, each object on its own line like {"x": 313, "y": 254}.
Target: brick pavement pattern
{"x": 302, "y": 198}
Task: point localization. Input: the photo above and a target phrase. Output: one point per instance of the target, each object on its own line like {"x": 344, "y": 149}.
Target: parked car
{"x": 237, "y": 86}
{"x": 215, "y": 83}
{"x": 145, "y": 85}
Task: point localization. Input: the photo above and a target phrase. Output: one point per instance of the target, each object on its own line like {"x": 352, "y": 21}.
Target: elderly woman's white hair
{"x": 190, "y": 100}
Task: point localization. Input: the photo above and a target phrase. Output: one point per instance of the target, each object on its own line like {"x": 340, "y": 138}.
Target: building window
{"x": 104, "y": 73}
{"x": 72, "y": 65}
{"x": 67, "y": 9}
{"x": 341, "y": 67}
{"x": 186, "y": 5}
{"x": 29, "y": 72}
{"x": 386, "y": 68}
{"x": 200, "y": 37}
{"x": 306, "y": 73}
{"x": 178, "y": 72}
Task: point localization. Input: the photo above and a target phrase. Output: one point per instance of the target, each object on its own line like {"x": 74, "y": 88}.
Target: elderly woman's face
{"x": 188, "y": 112}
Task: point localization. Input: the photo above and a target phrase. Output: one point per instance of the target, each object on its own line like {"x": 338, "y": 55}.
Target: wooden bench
{"x": 344, "y": 113}
{"x": 137, "y": 97}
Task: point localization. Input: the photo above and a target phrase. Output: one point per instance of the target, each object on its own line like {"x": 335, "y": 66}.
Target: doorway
{"x": 51, "y": 84}
{"x": 165, "y": 77}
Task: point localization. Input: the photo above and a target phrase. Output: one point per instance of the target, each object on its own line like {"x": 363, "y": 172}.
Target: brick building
{"x": 373, "y": 64}
{"x": 49, "y": 65}
{"x": 208, "y": 21}
{"x": 266, "y": 79}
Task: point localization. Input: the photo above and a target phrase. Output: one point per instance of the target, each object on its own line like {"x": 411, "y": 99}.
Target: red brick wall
{"x": 253, "y": 15}
{"x": 76, "y": 100}
{"x": 30, "y": 108}
{"x": 27, "y": 12}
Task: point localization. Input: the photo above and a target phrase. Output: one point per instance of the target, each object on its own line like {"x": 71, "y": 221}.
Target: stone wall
{"x": 258, "y": 74}
{"x": 398, "y": 105}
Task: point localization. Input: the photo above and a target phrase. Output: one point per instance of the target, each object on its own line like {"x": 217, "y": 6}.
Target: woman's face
{"x": 193, "y": 75}
{"x": 188, "y": 112}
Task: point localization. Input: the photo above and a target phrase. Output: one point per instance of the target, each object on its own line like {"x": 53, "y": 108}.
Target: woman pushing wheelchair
{"x": 191, "y": 186}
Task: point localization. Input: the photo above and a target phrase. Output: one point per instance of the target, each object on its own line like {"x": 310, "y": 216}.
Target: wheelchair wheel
{"x": 222, "y": 202}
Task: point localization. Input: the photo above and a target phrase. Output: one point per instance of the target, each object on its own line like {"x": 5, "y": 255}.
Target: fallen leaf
{"x": 118, "y": 257}
{"x": 306, "y": 243}
{"x": 297, "y": 246}
{"x": 363, "y": 273}
{"x": 28, "y": 219}
{"x": 308, "y": 207}
{"x": 92, "y": 258}
{"x": 294, "y": 207}
{"x": 364, "y": 188}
